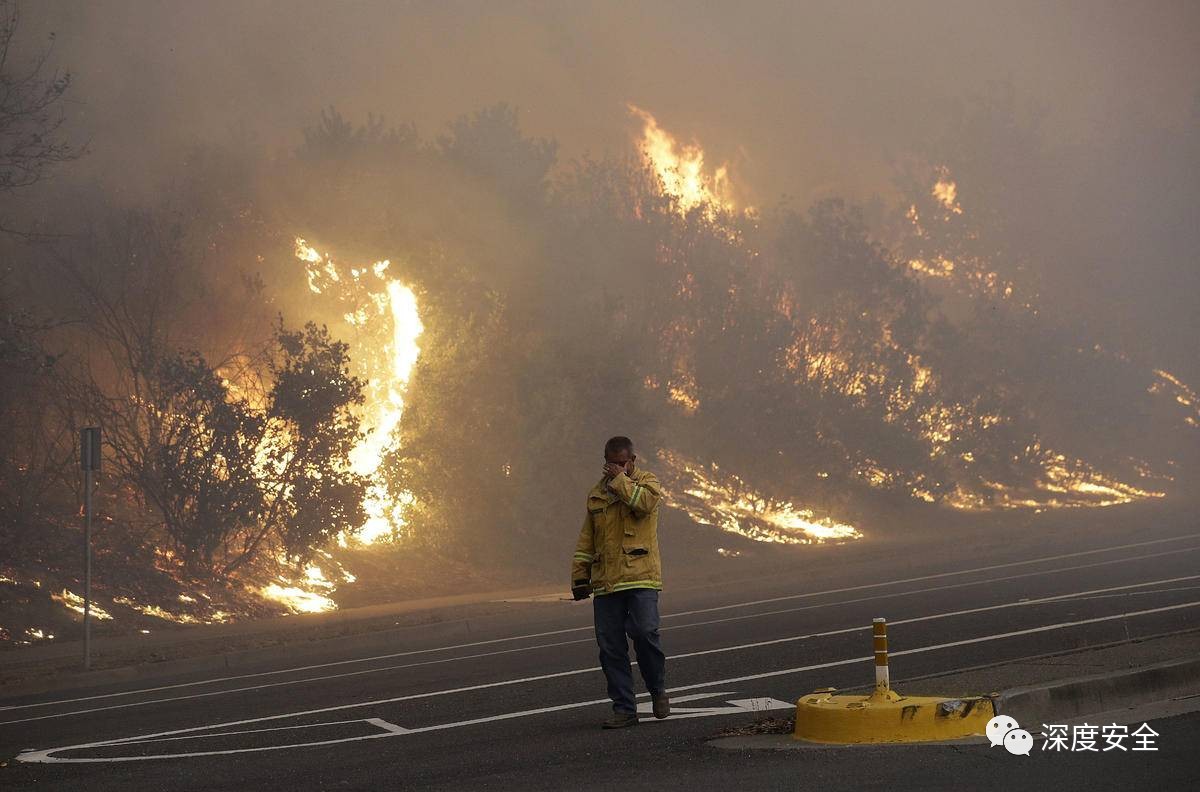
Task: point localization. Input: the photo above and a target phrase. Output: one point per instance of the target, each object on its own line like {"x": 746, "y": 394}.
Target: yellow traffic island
{"x": 885, "y": 716}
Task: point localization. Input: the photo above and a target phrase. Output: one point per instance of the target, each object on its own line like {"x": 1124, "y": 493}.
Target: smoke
{"x": 803, "y": 100}
{"x": 1028, "y": 171}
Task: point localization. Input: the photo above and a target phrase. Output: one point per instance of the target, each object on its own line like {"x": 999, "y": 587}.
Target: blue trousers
{"x": 633, "y": 612}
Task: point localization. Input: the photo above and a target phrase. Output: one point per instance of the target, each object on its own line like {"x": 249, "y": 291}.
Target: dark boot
{"x": 620, "y": 720}
{"x": 662, "y": 705}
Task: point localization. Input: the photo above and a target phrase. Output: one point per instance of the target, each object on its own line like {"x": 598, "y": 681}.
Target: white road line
{"x": 388, "y": 727}
{"x": 719, "y": 650}
{"x": 1139, "y": 593}
{"x": 46, "y": 755}
{"x": 260, "y": 731}
{"x": 402, "y": 666}
{"x": 931, "y": 617}
{"x": 941, "y": 574}
{"x": 920, "y": 649}
{"x": 267, "y": 685}
{"x": 472, "y": 644}
{"x": 930, "y": 589}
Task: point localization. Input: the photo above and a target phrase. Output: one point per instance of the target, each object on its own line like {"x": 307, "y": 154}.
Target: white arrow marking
{"x": 737, "y": 706}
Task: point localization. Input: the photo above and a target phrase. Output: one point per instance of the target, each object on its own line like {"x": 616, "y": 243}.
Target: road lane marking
{"x": 240, "y": 732}
{"x": 941, "y": 574}
{"x": 699, "y": 653}
{"x": 47, "y": 755}
{"x": 388, "y": 727}
{"x": 734, "y": 707}
{"x": 930, "y": 617}
{"x": 931, "y": 589}
{"x": 1139, "y": 593}
{"x": 718, "y": 650}
{"x": 964, "y": 642}
{"x": 579, "y": 629}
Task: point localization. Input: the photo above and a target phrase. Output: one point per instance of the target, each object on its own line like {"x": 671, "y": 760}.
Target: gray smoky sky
{"x": 802, "y": 99}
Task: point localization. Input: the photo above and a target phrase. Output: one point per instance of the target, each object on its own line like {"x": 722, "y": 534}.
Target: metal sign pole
{"x": 89, "y": 446}
{"x": 87, "y": 570}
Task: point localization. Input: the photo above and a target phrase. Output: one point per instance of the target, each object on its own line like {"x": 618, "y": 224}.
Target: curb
{"x": 1136, "y": 690}
{"x": 1086, "y": 695}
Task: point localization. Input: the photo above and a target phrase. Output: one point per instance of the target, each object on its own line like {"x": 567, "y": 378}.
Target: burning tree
{"x": 223, "y": 455}
{"x": 309, "y": 492}
{"x": 790, "y": 371}
{"x": 189, "y": 448}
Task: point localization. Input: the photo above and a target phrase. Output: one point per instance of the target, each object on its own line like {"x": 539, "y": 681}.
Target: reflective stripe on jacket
{"x": 618, "y": 544}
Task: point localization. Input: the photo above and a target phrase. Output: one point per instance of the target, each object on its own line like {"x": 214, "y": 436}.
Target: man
{"x": 617, "y": 559}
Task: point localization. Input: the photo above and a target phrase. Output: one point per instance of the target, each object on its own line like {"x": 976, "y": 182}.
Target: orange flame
{"x": 681, "y": 171}
{"x": 388, "y": 302}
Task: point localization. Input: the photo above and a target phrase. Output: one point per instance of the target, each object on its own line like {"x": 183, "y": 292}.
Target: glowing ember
{"x": 943, "y": 425}
{"x": 74, "y": 602}
{"x": 383, "y": 316}
{"x": 309, "y": 593}
{"x": 682, "y": 392}
{"x": 315, "y": 577}
{"x": 946, "y": 192}
{"x": 680, "y": 169}
{"x": 166, "y": 615}
{"x": 1064, "y": 484}
{"x": 969, "y": 271}
{"x": 298, "y": 600}
{"x": 1184, "y": 395}
{"x": 939, "y": 267}
{"x": 732, "y": 506}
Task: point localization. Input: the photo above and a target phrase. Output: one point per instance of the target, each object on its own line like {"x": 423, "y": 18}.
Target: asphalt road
{"x": 521, "y": 706}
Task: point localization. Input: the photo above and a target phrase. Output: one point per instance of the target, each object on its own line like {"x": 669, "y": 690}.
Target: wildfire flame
{"x": 1184, "y": 395}
{"x": 971, "y": 271}
{"x": 387, "y": 300}
{"x": 216, "y": 616}
{"x": 680, "y": 169}
{"x": 1064, "y": 484}
{"x": 381, "y": 313}
{"x": 73, "y": 601}
{"x": 306, "y": 595}
{"x": 727, "y": 502}
{"x": 945, "y": 190}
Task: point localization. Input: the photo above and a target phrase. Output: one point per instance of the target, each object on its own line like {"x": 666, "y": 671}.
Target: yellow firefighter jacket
{"x": 618, "y": 544}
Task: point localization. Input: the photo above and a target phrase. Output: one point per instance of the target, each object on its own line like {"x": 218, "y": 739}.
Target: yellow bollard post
{"x": 885, "y": 716}
{"x": 879, "y": 635}
{"x": 883, "y": 686}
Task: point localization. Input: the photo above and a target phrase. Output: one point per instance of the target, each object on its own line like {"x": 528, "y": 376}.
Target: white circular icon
{"x": 1018, "y": 742}
{"x": 999, "y": 726}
